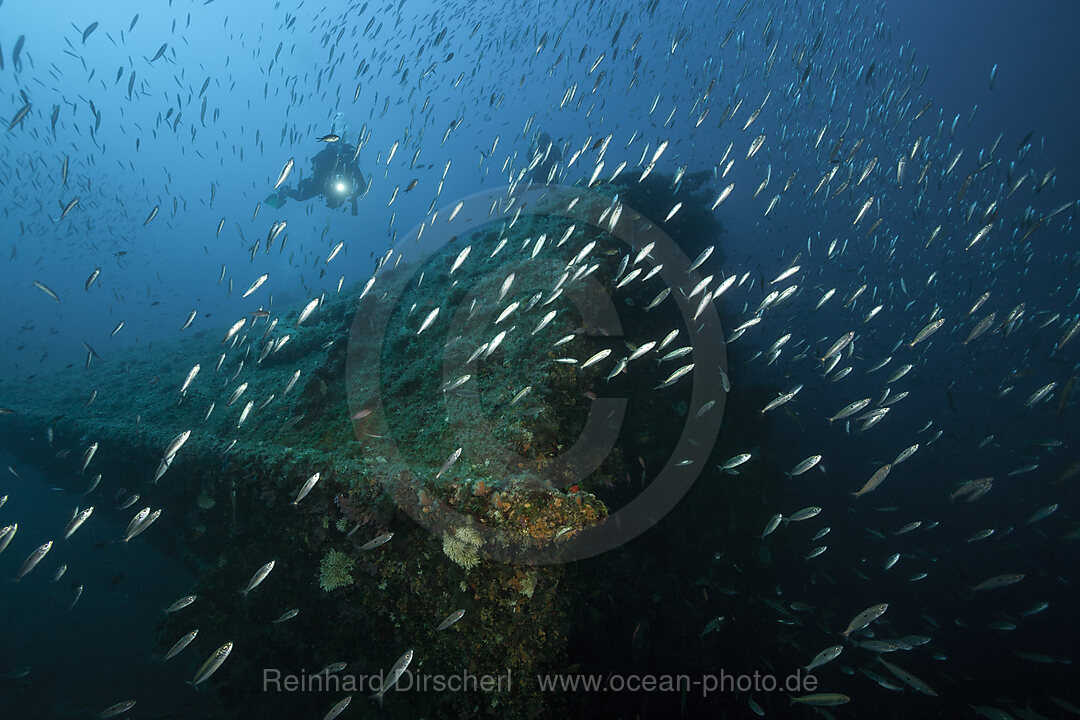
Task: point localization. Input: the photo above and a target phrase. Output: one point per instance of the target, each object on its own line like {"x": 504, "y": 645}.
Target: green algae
{"x": 335, "y": 571}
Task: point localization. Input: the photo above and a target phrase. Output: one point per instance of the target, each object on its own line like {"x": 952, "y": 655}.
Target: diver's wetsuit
{"x": 334, "y": 164}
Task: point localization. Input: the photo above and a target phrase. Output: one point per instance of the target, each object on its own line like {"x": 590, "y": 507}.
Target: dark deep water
{"x": 875, "y": 153}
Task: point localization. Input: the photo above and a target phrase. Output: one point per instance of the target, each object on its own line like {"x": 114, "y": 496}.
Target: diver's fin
{"x": 275, "y": 200}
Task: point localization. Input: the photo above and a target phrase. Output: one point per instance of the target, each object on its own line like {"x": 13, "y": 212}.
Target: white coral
{"x": 462, "y": 547}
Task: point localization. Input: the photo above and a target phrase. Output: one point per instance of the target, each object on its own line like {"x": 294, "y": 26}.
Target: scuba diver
{"x": 335, "y": 175}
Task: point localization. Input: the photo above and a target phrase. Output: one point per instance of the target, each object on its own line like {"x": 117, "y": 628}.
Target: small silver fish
{"x": 378, "y": 541}
{"x": 596, "y": 358}
{"x": 464, "y": 253}
{"x": 244, "y": 413}
{"x": 1042, "y": 513}
{"x": 449, "y": 463}
{"x": 774, "y": 522}
{"x": 450, "y": 620}
{"x": 75, "y": 599}
{"x": 181, "y": 603}
{"x": 88, "y": 456}
{"x": 180, "y": 644}
{"x": 927, "y": 331}
{"x": 234, "y": 329}
{"x": 77, "y": 521}
{"x": 284, "y": 175}
{"x": 115, "y": 710}
{"x": 306, "y": 488}
{"x": 45, "y": 289}
{"x": 735, "y": 462}
{"x": 256, "y": 285}
{"x": 339, "y": 707}
{"x": 6, "y": 534}
{"x": 826, "y": 655}
{"x": 804, "y": 514}
{"x": 850, "y": 409}
{"x": 33, "y": 559}
{"x": 876, "y": 479}
{"x": 190, "y": 378}
{"x": 805, "y": 465}
{"x": 212, "y": 664}
{"x": 999, "y": 581}
{"x": 236, "y": 394}
{"x": 674, "y": 377}
{"x": 864, "y": 618}
{"x": 258, "y": 577}
{"x": 394, "y": 675}
{"x": 428, "y": 320}
{"x": 306, "y": 312}
{"x": 292, "y": 382}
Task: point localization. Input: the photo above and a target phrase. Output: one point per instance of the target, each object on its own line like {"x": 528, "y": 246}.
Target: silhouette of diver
{"x": 335, "y": 175}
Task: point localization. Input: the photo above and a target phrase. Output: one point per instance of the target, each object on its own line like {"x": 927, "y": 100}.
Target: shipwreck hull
{"x": 368, "y": 392}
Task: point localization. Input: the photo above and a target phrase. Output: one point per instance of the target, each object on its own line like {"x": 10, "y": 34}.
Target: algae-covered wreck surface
{"x": 475, "y": 413}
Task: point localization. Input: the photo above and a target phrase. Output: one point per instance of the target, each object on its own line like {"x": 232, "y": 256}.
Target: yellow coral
{"x": 462, "y": 547}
